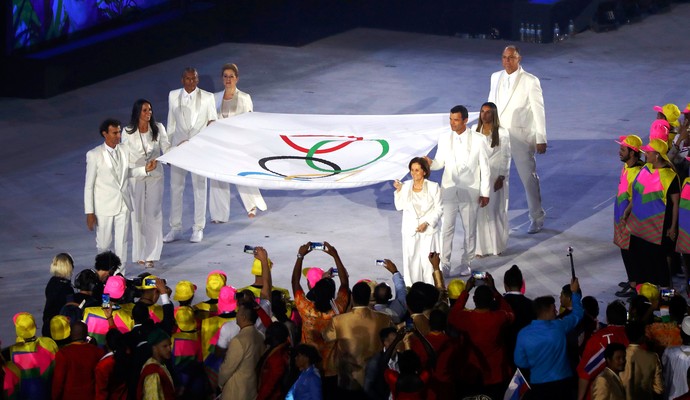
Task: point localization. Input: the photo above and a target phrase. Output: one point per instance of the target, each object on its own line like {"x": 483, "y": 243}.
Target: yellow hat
{"x": 214, "y": 281}
{"x": 631, "y": 141}
{"x": 455, "y": 287}
{"x": 648, "y": 290}
{"x": 657, "y": 145}
{"x": 24, "y": 325}
{"x": 184, "y": 316}
{"x": 184, "y": 290}
{"x": 256, "y": 267}
{"x": 60, "y": 327}
{"x": 672, "y": 113}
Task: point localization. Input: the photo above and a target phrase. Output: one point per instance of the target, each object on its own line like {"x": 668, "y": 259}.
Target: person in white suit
{"x": 190, "y": 109}
{"x": 146, "y": 139}
{"x": 420, "y": 201}
{"x": 465, "y": 184}
{"x": 230, "y": 102}
{"x": 107, "y": 201}
{"x": 518, "y": 97}
{"x": 492, "y": 220}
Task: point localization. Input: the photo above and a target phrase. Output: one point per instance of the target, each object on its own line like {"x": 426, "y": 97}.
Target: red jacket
{"x": 165, "y": 382}
{"x": 483, "y": 333}
{"x": 74, "y": 374}
{"x": 271, "y": 373}
{"x": 107, "y": 387}
{"x": 592, "y": 362}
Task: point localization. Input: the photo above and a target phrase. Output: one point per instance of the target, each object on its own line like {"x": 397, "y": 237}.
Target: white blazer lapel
{"x": 185, "y": 113}
{"x": 124, "y": 165}
{"x": 124, "y": 175}
{"x": 109, "y": 162}
{"x": 514, "y": 86}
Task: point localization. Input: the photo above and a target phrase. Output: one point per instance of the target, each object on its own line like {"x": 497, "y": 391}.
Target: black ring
{"x": 334, "y": 166}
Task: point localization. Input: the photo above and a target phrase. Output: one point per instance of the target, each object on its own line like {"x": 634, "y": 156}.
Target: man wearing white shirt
{"x": 675, "y": 362}
{"x": 518, "y": 97}
{"x": 190, "y": 109}
{"x": 465, "y": 185}
{"x": 107, "y": 203}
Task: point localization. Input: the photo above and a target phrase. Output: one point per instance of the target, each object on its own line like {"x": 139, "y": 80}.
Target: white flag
{"x": 297, "y": 151}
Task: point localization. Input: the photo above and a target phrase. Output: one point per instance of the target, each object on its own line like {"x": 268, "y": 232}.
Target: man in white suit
{"x": 465, "y": 185}
{"x": 190, "y": 109}
{"x": 107, "y": 202}
{"x": 518, "y": 97}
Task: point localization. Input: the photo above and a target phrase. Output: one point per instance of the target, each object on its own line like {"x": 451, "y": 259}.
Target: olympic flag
{"x": 299, "y": 151}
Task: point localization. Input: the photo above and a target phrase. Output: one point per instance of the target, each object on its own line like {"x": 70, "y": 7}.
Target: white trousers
{"x": 147, "y": 218}
{"x": 177, "y": 183}
{"x": 105, "y": 240}
{"x": 523, "y": 157}
{"x": 465, "y": 203}
{"x": 219, "y": 200}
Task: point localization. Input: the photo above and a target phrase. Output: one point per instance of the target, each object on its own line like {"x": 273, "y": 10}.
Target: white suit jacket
{"x": 476, "y": 175}
{"x": 140, "y": 149}
{"x": 181, "y": 124}
{"x": 523, "y": 111}
{"x": 431, "y": 213}
{"x": 106, "y": 189}
{"x": 244, "y": 103}
{"x": 499, "y": 157}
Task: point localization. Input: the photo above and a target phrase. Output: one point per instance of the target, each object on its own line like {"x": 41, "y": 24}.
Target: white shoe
{"x": 197, "y": 236}
{"x": 535, "y": 227}
{"x": 465, "y": 270}
{"x": 445, "y": 270}
{"x": 173, "y": 235}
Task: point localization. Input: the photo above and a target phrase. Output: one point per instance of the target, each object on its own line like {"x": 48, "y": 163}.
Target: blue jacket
{"x": 541, "y": 346}
{"x": 307, "y": 386}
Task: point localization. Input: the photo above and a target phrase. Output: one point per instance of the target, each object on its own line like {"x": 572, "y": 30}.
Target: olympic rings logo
{"x": 323, "y": 168}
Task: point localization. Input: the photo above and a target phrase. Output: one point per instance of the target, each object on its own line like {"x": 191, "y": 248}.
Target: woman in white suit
{"x": 230, "y": 102}
{"x": 420, "y": 201}
{"x": 145, "y": 140}
{"x": 492, "y": 220}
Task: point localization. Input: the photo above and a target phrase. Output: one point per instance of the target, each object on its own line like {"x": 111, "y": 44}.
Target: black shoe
{"x": 624, "y": 284}
{"x": 627, "y": 292}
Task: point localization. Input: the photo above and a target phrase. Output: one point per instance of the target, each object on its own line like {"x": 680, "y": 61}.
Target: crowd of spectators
{"x": 111, "y": 337}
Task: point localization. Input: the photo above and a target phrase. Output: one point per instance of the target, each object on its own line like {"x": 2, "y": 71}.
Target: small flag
{"x": 517, "y": 387}
{"x": 595, "y": 363}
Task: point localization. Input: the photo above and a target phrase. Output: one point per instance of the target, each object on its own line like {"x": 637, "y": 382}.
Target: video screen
{"x": 35, "y": 22}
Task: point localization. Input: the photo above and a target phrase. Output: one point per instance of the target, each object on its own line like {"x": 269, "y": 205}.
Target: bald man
{"x": 518, "y": 97}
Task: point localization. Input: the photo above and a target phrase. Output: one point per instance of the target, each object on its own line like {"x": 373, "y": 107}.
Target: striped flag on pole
{"x": 517, "y": 387}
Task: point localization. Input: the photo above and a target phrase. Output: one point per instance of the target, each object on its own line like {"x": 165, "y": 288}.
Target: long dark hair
{"x": 495, "y": 123}
{"x": 134, "y": 119}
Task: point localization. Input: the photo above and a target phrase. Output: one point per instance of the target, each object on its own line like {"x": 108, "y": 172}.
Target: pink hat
{"x": 659, "y": 130}
{"x": 631, "y": 141}
{"x": 226, "y": 299}
{"x": 659, "y": 109}
{"x": 687, "y": 109}
{"x": 115, "y": 286}
{"x": 313, "y": 274}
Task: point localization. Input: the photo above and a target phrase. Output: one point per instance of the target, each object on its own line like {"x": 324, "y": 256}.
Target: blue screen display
{"x": 39, "y": 21}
